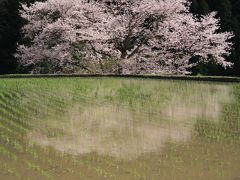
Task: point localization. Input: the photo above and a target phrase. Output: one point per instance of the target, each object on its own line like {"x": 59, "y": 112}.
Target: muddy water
{"x": 166, "y": 130}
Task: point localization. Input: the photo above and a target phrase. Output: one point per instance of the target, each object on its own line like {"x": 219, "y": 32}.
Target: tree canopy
{"x": 143, "y": 36}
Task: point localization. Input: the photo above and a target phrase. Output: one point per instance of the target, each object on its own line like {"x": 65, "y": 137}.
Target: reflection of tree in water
{"x": 228, "y": 127}
{"x": 120, "y": 132}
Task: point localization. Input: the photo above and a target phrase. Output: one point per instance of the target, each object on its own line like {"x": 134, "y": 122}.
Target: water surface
{"x": 110, "y": 128}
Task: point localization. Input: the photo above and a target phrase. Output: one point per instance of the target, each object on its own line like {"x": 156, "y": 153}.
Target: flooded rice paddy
{"x": 113, "y": 128}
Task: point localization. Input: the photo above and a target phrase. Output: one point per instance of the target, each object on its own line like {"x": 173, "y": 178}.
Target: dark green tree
{"x": 203, "y": 7}
{"x": 10, "y": 24}
{"x": 194, "y": 6}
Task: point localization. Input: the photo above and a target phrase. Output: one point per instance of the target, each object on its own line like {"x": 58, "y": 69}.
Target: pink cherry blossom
{"x": 143, "y": 36}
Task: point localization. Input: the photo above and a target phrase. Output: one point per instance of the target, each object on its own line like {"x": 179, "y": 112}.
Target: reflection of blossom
{"x": 119, "y": 132}
{"x": 207, "y": 106}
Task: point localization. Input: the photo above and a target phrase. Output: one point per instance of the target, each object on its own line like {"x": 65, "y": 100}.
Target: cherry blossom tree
{"x": 179, "y": 39}
{"x": 138, "y": 36}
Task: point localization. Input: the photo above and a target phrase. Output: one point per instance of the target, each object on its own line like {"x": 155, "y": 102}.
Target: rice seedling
{"x": 114, "y": 128}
